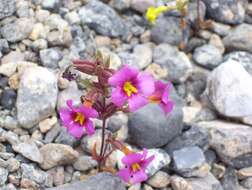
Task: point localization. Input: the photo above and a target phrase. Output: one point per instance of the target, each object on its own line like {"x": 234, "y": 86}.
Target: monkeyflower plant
{"x": 111, "y": 91}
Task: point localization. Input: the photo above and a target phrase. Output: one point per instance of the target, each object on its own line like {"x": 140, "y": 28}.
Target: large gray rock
{"x": 230, "y": 180}
{"x": 7, "y": 8}
{"x": 226, "y": 11}
{"x": 243, "y": 57}
{"x": 17, "y": 30}
{"x": 175, "y": 62}
{"x": 230, "y": 141}
{"x": 3, "y": 176}
{"x": 228, "y": 90}
{"x": 190, "y": 162}
{"x": 103, "y": 19}
{"x": 166, "y": 30}
{"x": 84, "y": 163}
{"x": 149, "y": 126}
{"x": 37, "y": 95}
{"x": 239, "y": 38}
{"x": 101, "y": 181}
{"x": 207, "y": 56}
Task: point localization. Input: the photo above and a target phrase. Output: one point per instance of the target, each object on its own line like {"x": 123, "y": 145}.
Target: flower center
{"x": 129, "y": 89}
{"x": 79, "y": 118}
{"x": 135, "y": 167}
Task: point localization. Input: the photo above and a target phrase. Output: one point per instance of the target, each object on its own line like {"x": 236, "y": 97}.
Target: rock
{"x": 143, "y": 55}
{"x": 207, "y": 56}
{"x": 7, "y": 8}
{"x": 47, "y": 124}
{"x": 3, "y": 81}
{"x": 195, "y": 136}
{"x": 247, "y": 183}
{"x": 52, "y": 134}
{"x": 58, "y": 178}
{"x": 23, "y": 9}
{"x": 18, "y": 30}
{"x": 4, "y": 46}
{"x": 8, "y": 99}
{"x": 230, "y": 180}
{"x": 13, "y": 164}
{"x": 37, "y": 95}
{"x": 10, "y": 62}
{"x": 3, "y": 176}
{"x": 50, "y": 57}
{"x": 65, "y": 138}
{"x": 51, "y": 5}
{"x": 101, "y": 181}
{"x": 103, "y": 19}
{"x": 175, "y": 62}
{"x": 220, "y": 28}
{"x": 141, "y": 5}
{"x": 88, "y": 142}
{"x": 120, "y": 5}
{"x": 34, "y": 174}
{"x": 162, "y": 160}
{"x": 237, "y": 39}
{"x": 38, "y": 31}
{"x": 84, "y": 163}
{"x": 73, "y": 18}
{"x": 190, "y": 162}
{"x": 135, "y": 187}
{"x": 166, "y": 30}
{"x": 242, "y": 57}
{"x": 179, "y": 183}
{"x": 207, "y": 183}
{"x": 229, "y": 12}
{"x": 72, "y": 92}
{"x": 236, "y": 102}
{"x": 159, "y": 180}
{"x": 229, "y": 140}
{"x": 149, "y": 127}
{"x": 218, "y": 170}
{"x": 29, "y": 150}
{"x": 57, "y": 154}
{"x": 245, "y": 173}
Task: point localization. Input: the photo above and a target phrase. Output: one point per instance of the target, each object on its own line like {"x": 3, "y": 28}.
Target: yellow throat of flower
{"x": 135, "y": 167}
{"x": 79, "y": 118}
{"x": 129, "y": 89}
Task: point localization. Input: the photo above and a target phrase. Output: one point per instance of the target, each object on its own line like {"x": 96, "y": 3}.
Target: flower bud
{"x": 85, "y": 66}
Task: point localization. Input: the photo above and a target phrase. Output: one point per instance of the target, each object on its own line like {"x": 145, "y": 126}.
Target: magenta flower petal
{"x": 166, "y": 92}
{"x": 147, "y": 161}
{"x": 76, "y": 130}
{"x": 66, "y": 116}
{"x": 89, "y": 127}
{"x": 88, "y": 112}
{"x": 124, "y": 174}
{"x": 139, "y": 177}
{"x": 167, "y": 107}
{"x": 132, "y": 158}
{"x": 118, "y": 97}
{"x": 124, "y": 74}
{"x": 145, "y": 83}
{"x": 136, "y": 102}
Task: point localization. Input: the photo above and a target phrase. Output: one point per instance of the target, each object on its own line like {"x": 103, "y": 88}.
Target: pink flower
{"x": 135, "y": 166}
{"x": 132, "y": 86}
{"x": 161, "y": 96}
{"x": 77, "y": 119}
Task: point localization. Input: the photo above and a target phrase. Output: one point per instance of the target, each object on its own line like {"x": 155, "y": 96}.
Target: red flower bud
{"x": 87, "y": 67}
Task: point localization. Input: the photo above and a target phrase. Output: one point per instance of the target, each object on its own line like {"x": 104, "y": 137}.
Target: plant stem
{"x": 102, "y": 144}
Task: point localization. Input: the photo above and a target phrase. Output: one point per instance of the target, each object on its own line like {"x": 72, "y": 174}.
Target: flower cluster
{"x": 153, "y": 12}
{"x": 127, "y": 90}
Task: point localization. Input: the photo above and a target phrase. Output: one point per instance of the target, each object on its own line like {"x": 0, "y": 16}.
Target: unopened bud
{"x": 84, "y": 66}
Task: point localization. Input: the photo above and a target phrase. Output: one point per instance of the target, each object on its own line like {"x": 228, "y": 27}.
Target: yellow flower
{"x": 153, "y": 12}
